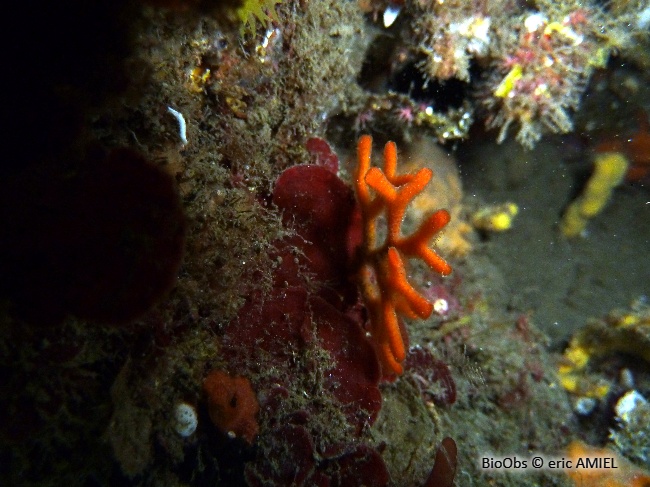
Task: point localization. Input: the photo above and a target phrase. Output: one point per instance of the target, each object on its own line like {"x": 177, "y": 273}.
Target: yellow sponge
{"x": 497, "y": 218}
{"x": 609, "y": 171}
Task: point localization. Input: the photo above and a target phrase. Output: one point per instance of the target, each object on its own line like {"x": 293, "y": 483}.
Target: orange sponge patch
{"x": 232, "y": 404}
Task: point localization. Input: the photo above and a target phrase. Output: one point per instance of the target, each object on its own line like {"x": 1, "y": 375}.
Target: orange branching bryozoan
{"x": 384, "y": 284}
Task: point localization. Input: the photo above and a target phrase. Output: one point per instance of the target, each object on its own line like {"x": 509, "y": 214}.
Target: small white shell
{"x": 390, "y": 14}
{"x": 584, "y": 406}
{"x": 626, "y": 407}
{"x": 185, "y": 419}
{"x": 535, "y": 21}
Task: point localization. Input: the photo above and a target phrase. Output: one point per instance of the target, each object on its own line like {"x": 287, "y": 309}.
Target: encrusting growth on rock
{"x": 384, "y": 284}
{"x": 232, "y": 404}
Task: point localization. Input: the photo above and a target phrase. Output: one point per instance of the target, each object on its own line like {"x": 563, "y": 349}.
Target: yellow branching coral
{"x": 253, "y": 10}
